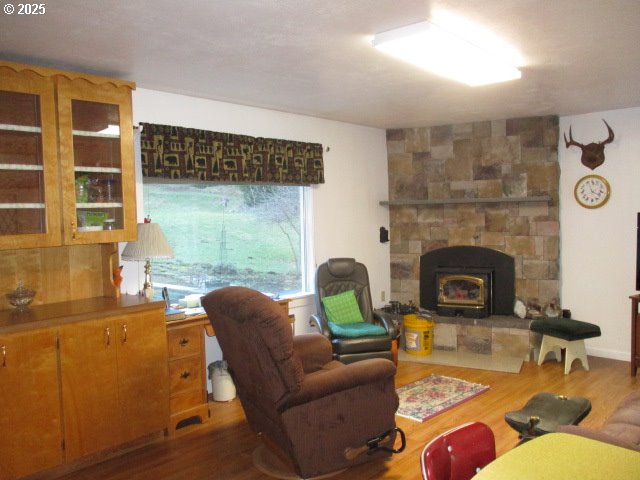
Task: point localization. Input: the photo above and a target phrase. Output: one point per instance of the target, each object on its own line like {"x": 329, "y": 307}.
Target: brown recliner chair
{"x": 322, "y": 415}
{"x": 338, "y": 275}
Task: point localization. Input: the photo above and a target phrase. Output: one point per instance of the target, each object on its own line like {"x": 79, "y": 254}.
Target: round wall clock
{"x": 592, "y": 191}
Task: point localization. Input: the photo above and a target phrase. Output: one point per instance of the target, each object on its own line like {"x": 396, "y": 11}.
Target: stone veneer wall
{"x": 492, "y": 159}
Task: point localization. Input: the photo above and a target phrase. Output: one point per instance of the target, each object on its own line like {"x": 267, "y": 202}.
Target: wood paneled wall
{"x": 59, "y": 274}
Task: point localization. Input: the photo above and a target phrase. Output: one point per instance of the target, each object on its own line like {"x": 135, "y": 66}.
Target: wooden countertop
{"x": 53, "y": 314}
{"x": 199, "y": 319}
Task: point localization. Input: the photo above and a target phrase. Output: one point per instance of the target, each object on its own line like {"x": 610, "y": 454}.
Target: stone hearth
{"x": 480, "y": 164}
{"x": 497, "y": 335}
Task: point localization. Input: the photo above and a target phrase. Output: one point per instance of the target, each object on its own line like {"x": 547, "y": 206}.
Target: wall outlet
{"x": 383, "y": 296}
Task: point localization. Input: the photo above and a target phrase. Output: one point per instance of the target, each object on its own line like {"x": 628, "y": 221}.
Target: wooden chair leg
{"x": 394, "y": 349}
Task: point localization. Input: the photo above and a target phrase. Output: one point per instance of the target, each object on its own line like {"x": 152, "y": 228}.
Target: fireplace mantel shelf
{"x": 453, "y": 201}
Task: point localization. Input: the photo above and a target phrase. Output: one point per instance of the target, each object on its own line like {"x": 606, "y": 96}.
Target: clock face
{"x": 592, "y": 191}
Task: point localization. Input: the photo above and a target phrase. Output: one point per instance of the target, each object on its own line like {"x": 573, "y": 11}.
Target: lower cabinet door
{"x": 114, "y": 381}
{"x": 30, "y": 426}
{"x": 89, "y": 387}
{"x": 143, "y": 379}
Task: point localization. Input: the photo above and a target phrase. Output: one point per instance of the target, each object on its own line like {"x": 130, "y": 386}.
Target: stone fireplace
{"x": 492, "y": 184}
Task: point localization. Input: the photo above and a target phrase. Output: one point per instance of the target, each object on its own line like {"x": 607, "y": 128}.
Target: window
{"x": 248, "y": 235}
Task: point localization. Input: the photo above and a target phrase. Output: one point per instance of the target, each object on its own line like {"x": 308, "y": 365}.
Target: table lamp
{"x": 151, "y": 243}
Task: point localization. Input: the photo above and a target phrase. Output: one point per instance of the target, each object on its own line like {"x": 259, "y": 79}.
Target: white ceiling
{"x": 313, "y": 57}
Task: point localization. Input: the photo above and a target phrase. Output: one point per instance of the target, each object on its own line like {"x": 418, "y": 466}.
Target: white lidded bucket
{"x": 222, "y": 384}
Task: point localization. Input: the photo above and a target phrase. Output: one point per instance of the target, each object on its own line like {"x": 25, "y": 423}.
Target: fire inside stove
{"x": 467, "y": 294}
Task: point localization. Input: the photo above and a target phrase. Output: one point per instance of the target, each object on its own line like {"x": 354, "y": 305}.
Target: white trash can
{"x": 222, "y": 385}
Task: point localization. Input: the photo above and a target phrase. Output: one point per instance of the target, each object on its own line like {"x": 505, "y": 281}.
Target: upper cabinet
{"x": 66, "y": 158}
{"x": 29, "y": 174}
{"x": 96, "y": 155}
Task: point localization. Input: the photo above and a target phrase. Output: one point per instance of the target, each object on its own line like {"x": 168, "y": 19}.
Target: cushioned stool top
{"x": 552, "y": 409}
{"x": 565, "y": 328}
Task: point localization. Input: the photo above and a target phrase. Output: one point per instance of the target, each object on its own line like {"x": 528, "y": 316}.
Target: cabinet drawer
{"x": 185, "y": 374}
{"x": 184, "y": 341}
{"x": 186, "y": 400}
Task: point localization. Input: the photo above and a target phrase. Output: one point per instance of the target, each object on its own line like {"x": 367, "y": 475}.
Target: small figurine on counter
{"x": 117, "y": 278}
{"x": 552, "y": 310}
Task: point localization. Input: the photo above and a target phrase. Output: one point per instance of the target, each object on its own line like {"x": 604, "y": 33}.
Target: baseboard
{"x": 611, "y": 354}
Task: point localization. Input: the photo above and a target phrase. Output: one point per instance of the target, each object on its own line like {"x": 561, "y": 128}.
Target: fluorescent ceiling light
{"x": 432, "y": 48}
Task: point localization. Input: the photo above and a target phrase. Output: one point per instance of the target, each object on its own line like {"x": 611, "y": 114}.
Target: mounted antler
{"x": 593, "y": 153}
{"x": 571, "y": 141}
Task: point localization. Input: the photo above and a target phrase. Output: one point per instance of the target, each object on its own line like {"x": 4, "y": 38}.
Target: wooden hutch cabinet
{"x": 83, "y": 370}
{"x": 66, "y": 158}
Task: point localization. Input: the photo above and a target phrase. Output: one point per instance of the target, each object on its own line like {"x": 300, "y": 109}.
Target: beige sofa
{"x": 621, "y": 428}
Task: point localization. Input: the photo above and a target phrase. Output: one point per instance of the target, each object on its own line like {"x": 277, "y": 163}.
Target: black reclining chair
{"x": 339, "y": 275}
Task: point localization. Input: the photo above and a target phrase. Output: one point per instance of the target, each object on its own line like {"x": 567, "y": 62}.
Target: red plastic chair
{"x": 459, "y": 453}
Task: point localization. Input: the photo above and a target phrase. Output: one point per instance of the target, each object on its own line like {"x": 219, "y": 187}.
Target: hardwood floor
{"x": 223, "y": 448}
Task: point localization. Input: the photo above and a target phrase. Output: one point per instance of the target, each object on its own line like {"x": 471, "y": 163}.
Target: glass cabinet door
{"x": 97, "y": 165}
{"x": 96, "y": 138}
{"x": 29, "y": 187}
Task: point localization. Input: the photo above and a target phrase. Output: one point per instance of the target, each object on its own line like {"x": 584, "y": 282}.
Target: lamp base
{"x": 147, "y": 287}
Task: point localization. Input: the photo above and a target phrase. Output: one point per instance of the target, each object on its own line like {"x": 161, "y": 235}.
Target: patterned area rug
{"x": 433, "y": 395}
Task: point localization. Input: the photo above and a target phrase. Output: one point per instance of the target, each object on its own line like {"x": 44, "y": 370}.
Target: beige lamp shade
{"x": 151, "y": 243}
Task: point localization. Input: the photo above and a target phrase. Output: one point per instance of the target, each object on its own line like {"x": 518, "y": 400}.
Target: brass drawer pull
{"x": 108, "y": 336}
{"x": 124, "y": 333}
{"x": 4, "y": 355}
{"x": 184, "y": 342}
{"x": 185, "y": 375}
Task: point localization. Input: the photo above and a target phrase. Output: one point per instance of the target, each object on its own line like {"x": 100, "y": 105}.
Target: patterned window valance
{"x": 188, "y": 153}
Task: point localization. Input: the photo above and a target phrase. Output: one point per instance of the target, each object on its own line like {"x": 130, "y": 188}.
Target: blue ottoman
{"x": 558, "y": 333}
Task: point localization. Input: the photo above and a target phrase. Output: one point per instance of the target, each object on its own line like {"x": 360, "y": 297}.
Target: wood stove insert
{"x": 494, "y": 268}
